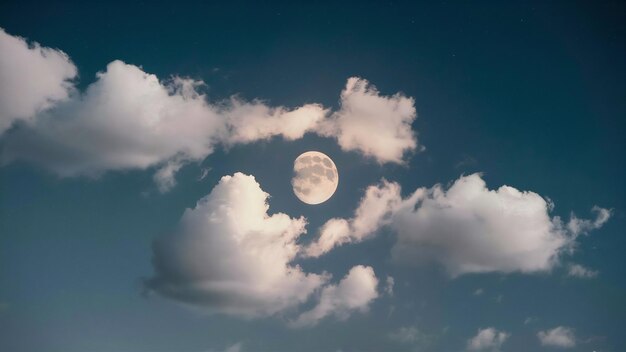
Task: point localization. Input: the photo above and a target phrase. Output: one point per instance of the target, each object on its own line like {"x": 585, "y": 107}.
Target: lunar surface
{"x": 315, "y": 177}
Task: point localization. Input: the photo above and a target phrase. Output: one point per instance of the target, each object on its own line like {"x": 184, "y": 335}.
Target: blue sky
{"x": 480, "y": 154}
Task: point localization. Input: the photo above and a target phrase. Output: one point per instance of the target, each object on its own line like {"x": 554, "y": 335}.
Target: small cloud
{"x": 530, "y": 320}
{"x": 487, "y": 339}
{"x": 203, "y": 173}
{"x": 389, "y": 286}
{"x": 353, "y": 293}
{"x": 577, "y": 270}
{"x": 374, "y": 211}
{"x": 467, "y": 161}
{"x": 582, "y": 226}
{"x": 478, "y": 292}
{"x": 558, "y": 337}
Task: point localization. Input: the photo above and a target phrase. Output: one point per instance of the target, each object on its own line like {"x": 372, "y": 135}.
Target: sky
{"x": 147, "y": 154}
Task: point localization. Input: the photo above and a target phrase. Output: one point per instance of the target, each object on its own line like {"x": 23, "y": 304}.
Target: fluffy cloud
{"x": 467, "y": 228}
{"x": 129, "y": 119}
{"x": 471, "y": 229}
{"x": 229, "y": 256}
{"x": 32, "y": 78}
{"x": 373, "y": 212}
{"x": 353, "y": 293}
{"x": 577, "y": 270}
{"x": 558, "y": 337}
{"x": 249, "y": 122}
{"x": 364, "y": 111}
{"x": 487, "y": 339}
{"x": 375, "y": 125}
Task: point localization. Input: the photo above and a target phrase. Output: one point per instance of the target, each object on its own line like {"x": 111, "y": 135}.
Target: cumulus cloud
{"x": 373, "y": 212}
{"x": 229, "y": 256}
{"x": 577, "y": 270}
{"x": 32, "y": 79}
{"x": 129, "y": 119}
{"x": 375, "y": 125}
{"x": 353, "y": 293}
{"x": 487, "y": 339}
{"x": 558, "y": 337}
{"x": 467, "y": 228}
{"x": 471, "y": 229}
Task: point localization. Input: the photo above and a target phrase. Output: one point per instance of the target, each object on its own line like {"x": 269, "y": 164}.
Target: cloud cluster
{"x": 229, "y": 256}
{"x": 32, "y": 78}
{"x": 129, "y": 119}
{"x": 487, "y": 339}
{"x": 467, "y": 228}
{"x": 558, "y": 337}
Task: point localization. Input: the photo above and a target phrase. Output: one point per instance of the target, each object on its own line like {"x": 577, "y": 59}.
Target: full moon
{"x": 315, "y": 177}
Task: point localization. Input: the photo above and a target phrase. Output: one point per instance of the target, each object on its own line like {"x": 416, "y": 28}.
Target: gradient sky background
{"x": 532, "y": 94}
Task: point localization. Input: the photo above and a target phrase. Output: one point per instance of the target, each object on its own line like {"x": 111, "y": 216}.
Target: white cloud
{"x": 558, "y": 337}
{"x": 250, "y": 122}
{"x": 129, "y": 119}
{"x": 353, "y": 293}
{"x": 32, "y": 78}
{"x": 373, "y": 212}
{"x": 487, "y": 339}
{"x": 529, "y": 320}
{"x": 375, "y": 125}
{"x": 389, "y": 285}
{"x": 472, "y": 229}
{"x": 229, "y": 256}
{"x": 577, "y": 270}
{"x": 580, "y": 226}
{"x": 467, "y": 228}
